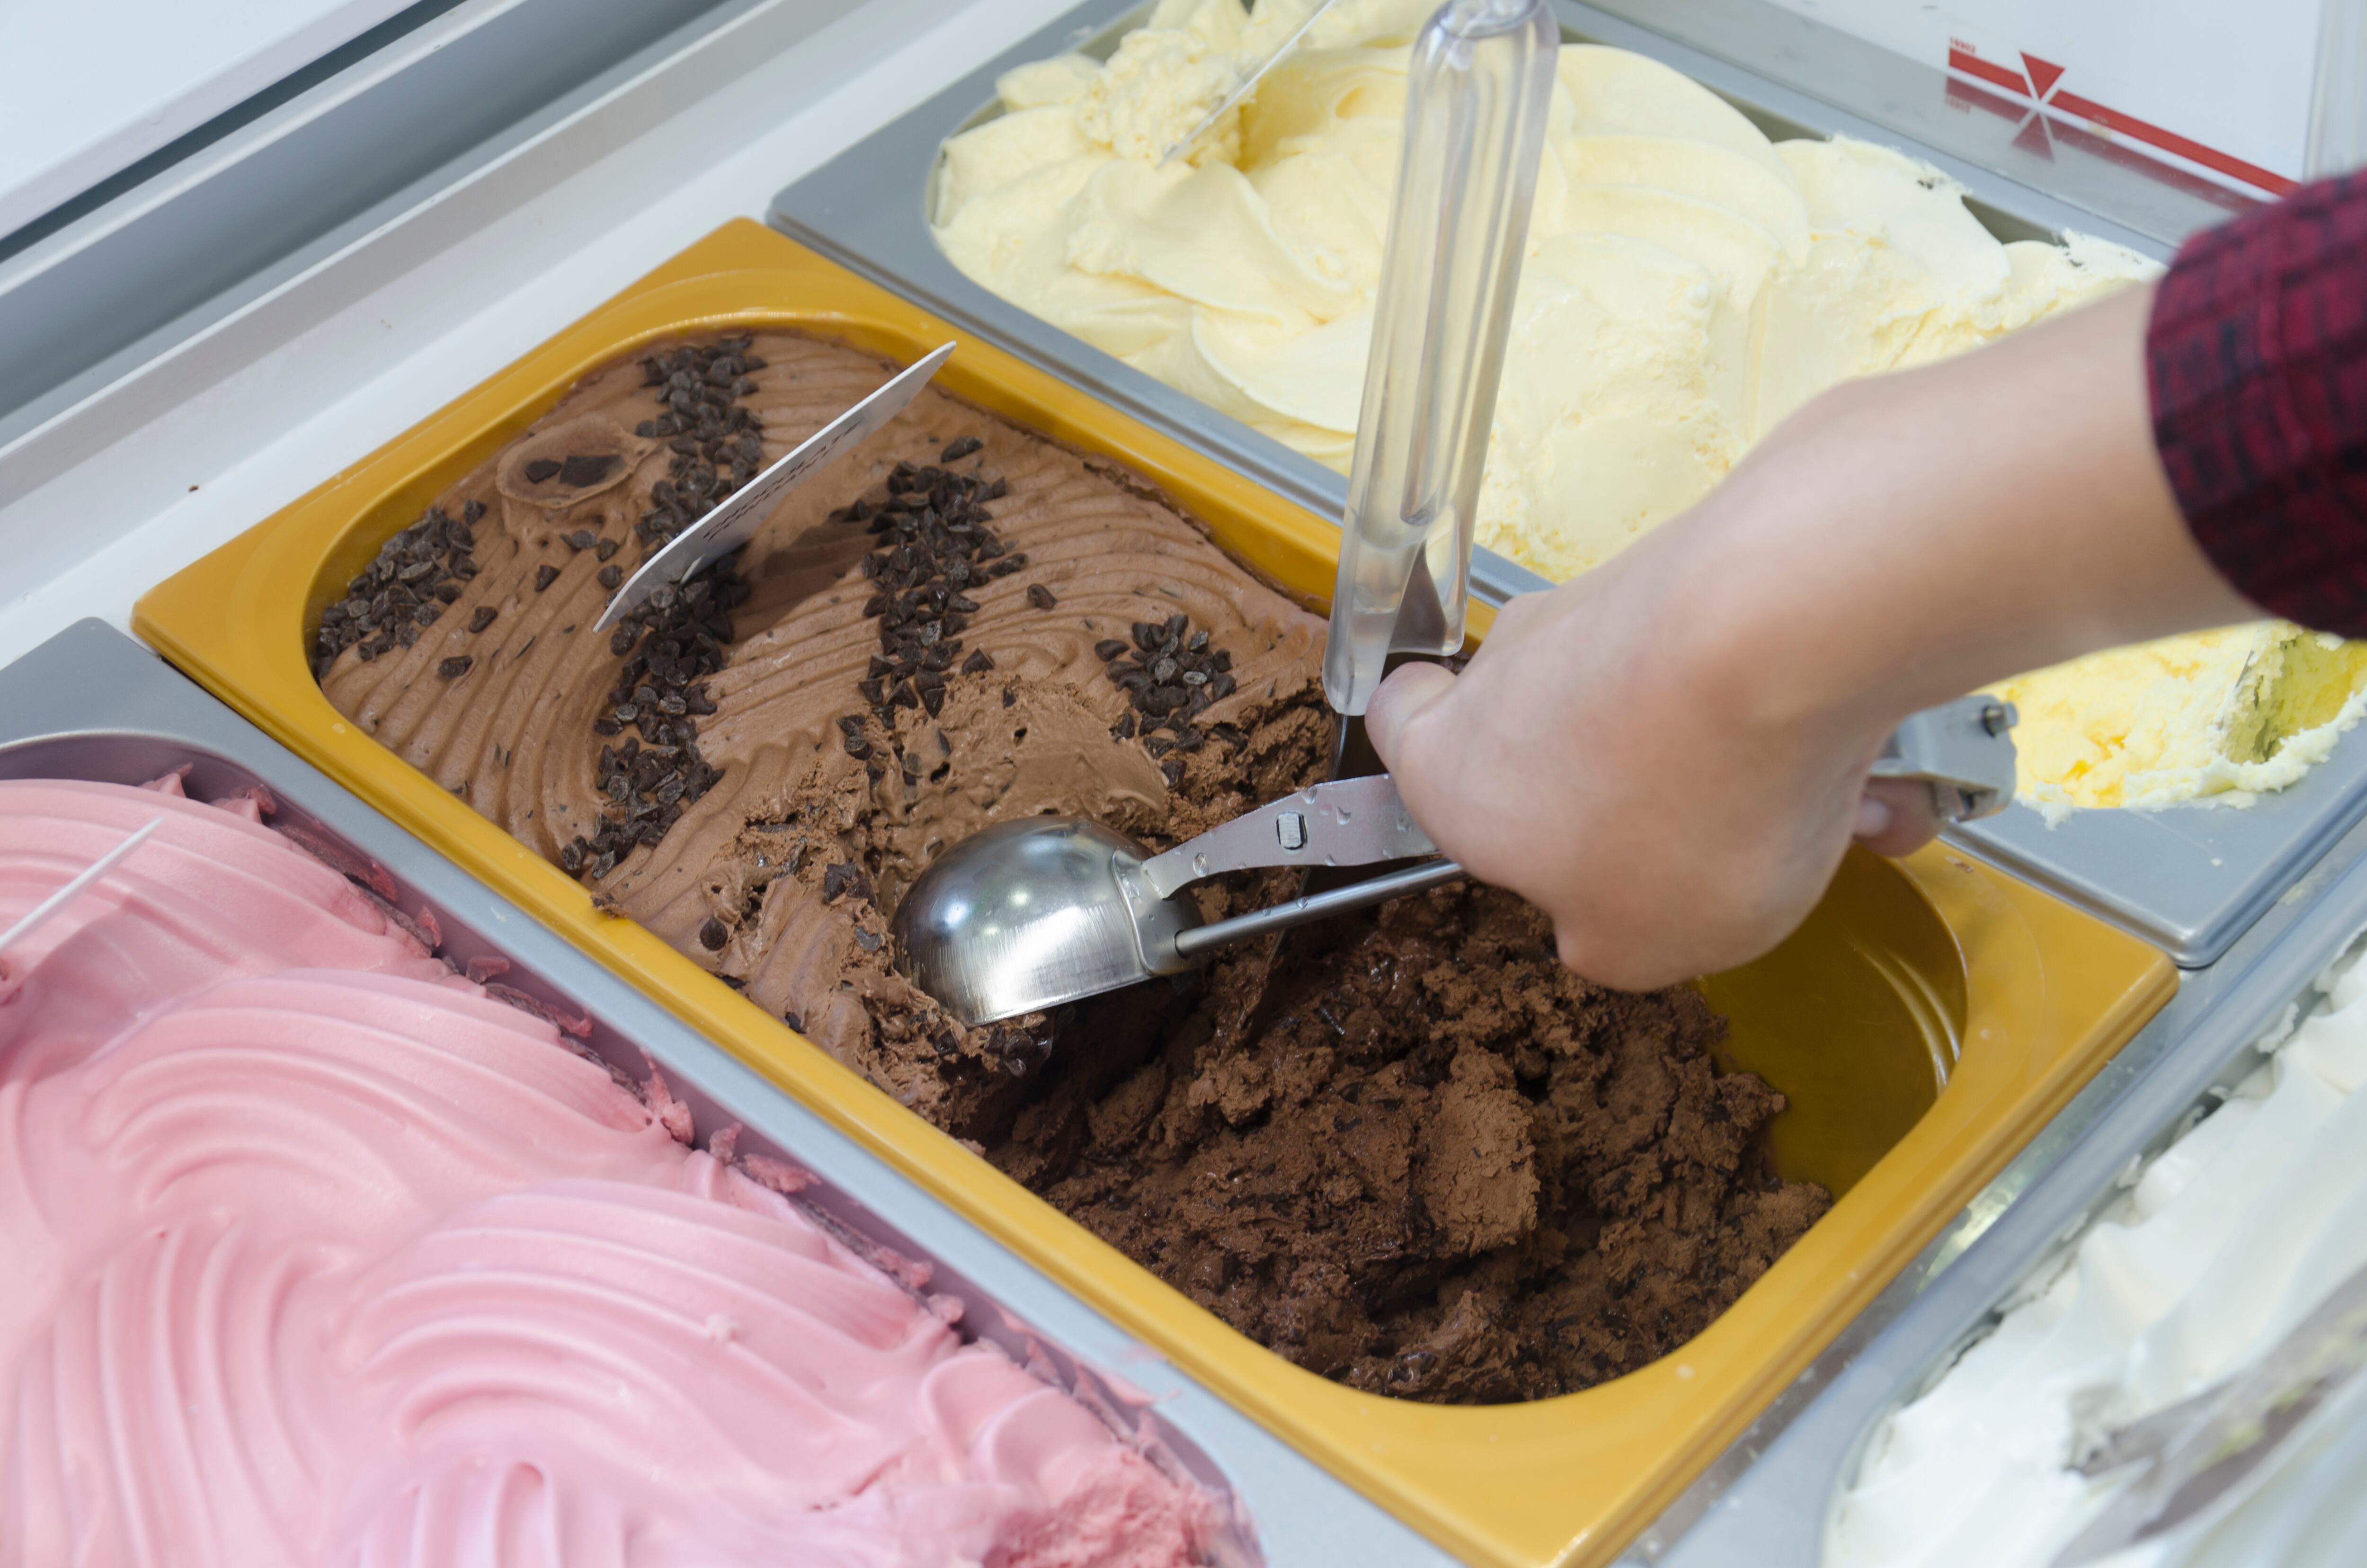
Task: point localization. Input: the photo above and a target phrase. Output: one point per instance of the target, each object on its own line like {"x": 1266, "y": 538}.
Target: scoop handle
{"x": 1349, "y": 822}
{"x": 1188, "y": 945}
{"x": 1480, "y": 82}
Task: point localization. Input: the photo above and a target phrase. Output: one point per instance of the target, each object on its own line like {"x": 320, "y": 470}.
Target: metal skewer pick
{"x": 1242, "y": 88}
{"x": 735, "y": 521}
{"x": 76, "y": 888}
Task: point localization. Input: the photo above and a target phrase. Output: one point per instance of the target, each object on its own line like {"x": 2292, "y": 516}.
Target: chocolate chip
{"x": 713, "y": 934}
{"x": 607, "y": 547}
{"x": 483, "y": 618}
{"x": 544, "y": 576}
{"x": 1109, "y": 648}
{"x": 582, "y": 539}
{"x": 978, "y": 663}
{"x": 586, "y": 470}
{"x": 539, "y": 470}
{"x": 455, "y": 667}
{"x": 856, "y": 747}
{"x": 611, "y": 575}
{"x": 1173, "y": 771}
{"x": 959, "y": 448}
{"x": 795, "y": 1020}
{"x": 867, "y": 941}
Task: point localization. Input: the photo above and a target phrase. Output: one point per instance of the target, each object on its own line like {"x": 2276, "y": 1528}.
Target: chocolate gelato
{"x": 1409, "y": 1150}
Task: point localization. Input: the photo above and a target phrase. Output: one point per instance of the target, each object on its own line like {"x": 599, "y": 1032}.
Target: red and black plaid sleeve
{"x": 2257, "y": 363}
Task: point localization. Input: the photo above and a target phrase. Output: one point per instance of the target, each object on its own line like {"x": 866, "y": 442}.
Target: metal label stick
{"x": 736, "y": 521}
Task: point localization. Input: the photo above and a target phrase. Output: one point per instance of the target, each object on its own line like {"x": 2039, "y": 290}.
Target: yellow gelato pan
{"x": 1929, "y": 1018}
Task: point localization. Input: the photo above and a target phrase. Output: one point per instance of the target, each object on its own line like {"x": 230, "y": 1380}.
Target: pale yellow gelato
{"x": 1687, "y": 284}
{"x": 2232, "y": 712}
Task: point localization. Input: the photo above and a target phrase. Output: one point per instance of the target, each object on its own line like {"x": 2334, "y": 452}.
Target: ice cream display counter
{"x": 1921, "y": 1025}
{"x": 1385, "y": 1241}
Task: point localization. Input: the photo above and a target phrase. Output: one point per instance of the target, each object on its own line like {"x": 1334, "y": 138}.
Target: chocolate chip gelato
{"x": 1407, "y": 1149}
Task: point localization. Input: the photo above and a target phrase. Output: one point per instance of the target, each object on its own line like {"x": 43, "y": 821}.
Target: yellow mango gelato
{"x": 1687, "y": 284}
{"x": 2232, "y": 712}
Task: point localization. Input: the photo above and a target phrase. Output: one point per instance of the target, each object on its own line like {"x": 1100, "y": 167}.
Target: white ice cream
{"x": 2225, "y": 1240}
{"x": 1687, "y": 282}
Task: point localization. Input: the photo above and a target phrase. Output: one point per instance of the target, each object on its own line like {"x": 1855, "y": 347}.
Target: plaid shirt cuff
{"x": 2256, "y": 361}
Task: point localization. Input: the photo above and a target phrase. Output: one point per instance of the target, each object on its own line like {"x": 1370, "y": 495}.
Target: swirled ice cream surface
{"x": 318, "y": 1253}
{"x": 2220, "y": 1246}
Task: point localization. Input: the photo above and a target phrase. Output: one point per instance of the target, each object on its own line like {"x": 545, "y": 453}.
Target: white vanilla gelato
{"x": 2225, "y": 715}
{"x": 2219, "y": 1247}
{"x": 1687, "y": 284}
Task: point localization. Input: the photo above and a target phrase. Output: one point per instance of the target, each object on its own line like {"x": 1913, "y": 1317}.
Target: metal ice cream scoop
{"x": 1028, "y": 914}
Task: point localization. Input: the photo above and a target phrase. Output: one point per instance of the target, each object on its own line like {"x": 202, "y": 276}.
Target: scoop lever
{"x": 1031, "y": 914}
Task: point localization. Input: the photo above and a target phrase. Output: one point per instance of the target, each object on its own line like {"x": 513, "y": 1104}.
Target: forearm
{"x": 1911, "y": 538}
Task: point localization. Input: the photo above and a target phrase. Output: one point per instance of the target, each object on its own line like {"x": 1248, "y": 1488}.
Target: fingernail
{"x": 1873, "y": 817}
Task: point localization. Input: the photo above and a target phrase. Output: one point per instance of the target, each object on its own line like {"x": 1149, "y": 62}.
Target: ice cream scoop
{"x": 1032, "y": 913}
{"x": 1028, "y": 914}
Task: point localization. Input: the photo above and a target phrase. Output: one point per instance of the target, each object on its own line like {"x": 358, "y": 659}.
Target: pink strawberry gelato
{"x": 319, "y": 1253}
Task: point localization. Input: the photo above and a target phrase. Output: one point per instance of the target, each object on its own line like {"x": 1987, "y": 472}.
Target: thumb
{"x": 1401, "y": 700}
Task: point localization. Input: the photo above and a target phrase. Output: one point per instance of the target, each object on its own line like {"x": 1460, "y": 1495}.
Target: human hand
{"x": 1586, "y": 760}
{"x": 1668, "y": 755}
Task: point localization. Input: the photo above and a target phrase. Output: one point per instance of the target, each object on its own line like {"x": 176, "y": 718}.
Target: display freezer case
{"x": 1922, "y": 1026}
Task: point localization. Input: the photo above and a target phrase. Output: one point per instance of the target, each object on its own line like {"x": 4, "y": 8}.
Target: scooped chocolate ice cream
{"x": 1410, "y": 1150}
